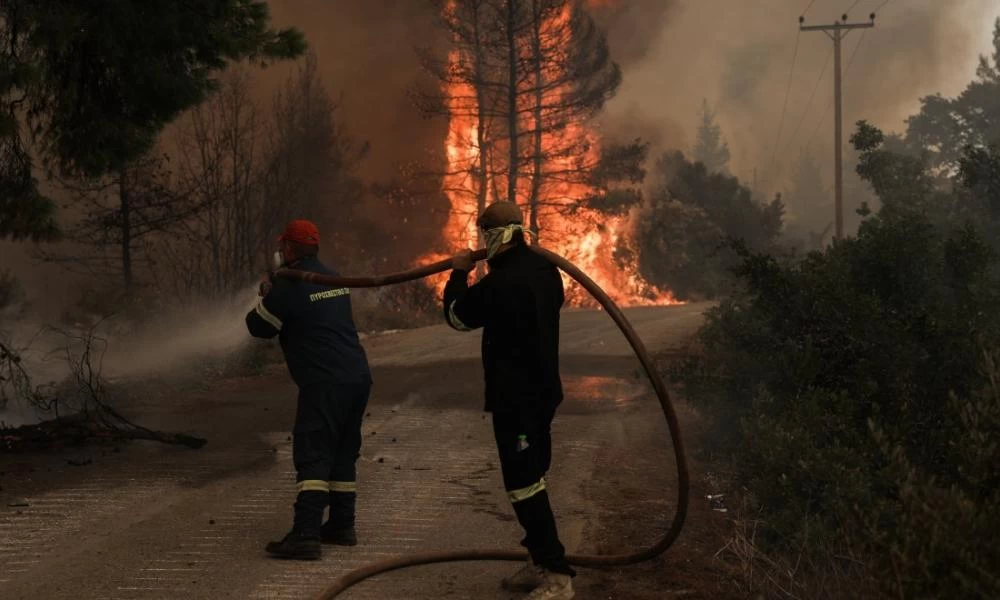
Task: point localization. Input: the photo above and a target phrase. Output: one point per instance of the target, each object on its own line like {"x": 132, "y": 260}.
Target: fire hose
{"x": 583, "y": 560}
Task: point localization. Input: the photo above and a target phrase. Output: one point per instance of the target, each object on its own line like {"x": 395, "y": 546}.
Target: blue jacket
{"x": 315, "y": 327}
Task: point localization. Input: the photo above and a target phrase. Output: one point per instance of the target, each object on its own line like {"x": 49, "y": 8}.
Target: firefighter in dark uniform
{"x": 325, "y": 358}
{"x": 517, "y": 304}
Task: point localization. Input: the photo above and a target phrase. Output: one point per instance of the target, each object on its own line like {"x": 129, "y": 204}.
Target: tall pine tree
{"x": 809, "y": 203}
{"x": 711, "y": 148}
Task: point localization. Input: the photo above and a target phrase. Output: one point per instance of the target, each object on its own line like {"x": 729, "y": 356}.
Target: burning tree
{"x": 520, "y": 86}
{"x": 570, "y": 76}
{"x": 522, "y": 78}
{"x": 467, "y": 96}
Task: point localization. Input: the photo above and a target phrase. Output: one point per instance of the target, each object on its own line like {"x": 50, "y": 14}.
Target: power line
{"x": 848, "y": 11}
{"x": 812, "y": 97}
{"x": 881, "y": 5}
{"x": 854, "y": 52}
{"x": 784, "y": 107}
{"x": 803, "y": 13}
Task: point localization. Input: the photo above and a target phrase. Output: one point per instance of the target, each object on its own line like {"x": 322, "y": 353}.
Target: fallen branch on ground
{"x": 79, "y": 429}
{"x": 91, "y": 416}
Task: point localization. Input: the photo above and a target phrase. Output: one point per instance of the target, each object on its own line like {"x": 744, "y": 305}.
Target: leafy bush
{"x": 943, "y": 541}
{"x": 835, "y": 383}
{"x": 684, "y": 222}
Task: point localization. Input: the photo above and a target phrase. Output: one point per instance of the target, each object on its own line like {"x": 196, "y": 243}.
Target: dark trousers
{"x": 524, "y": 470}
{"x": 326, "y": 444}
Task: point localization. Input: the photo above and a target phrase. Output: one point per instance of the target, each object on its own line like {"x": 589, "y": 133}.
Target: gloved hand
{"x": 265, "y": 286}
{"x": 463, "y": 261}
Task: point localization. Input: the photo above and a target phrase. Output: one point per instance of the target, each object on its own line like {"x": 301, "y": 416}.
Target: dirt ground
{"x": 634, "y": 514}
{"x": 144, "y": 520}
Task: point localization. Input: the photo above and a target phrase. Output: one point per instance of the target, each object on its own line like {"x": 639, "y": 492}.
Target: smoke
{"x": 738, "y": 55}
{"x": 181, "y": 338}
{"x": 633, "y": 26}
{"x": 368, "y": 60}
{"x": 176, "y": 343}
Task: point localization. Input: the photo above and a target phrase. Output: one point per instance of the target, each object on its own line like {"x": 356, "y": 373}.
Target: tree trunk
{"x": 512, "y": 94}
{"x": 493, "y": 180}
{"x": 536, "y": 63}
{"x": 126, "y": 226}
{"x": 214, "y": 234}
{"x": 481, "y": 138}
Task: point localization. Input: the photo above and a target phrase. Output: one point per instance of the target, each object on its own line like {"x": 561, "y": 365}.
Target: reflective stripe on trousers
{"x": 522, "y": 494}
{"x": 343, "y": 486}
{"x": 312, "y": 485}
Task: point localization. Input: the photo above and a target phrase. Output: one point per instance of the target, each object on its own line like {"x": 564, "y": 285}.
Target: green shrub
{"x": 832, "y": 382}
{"x": 685, "y": 220}
{"x": 943, "y": 538}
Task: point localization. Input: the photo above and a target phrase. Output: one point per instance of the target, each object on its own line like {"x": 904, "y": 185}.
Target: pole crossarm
{"x": 836, "y": 26}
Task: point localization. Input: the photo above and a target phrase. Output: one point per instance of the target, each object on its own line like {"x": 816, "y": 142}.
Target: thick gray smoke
{"x": 176, "y": 341}
{"x": 633, "y": 26}
{"x": 367, "y": 59}
{"x": 737, "y": 55}
{"x": 181, "y": 338}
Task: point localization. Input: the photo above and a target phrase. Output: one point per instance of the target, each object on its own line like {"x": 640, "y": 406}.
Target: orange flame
{"x": 586, "y": 237}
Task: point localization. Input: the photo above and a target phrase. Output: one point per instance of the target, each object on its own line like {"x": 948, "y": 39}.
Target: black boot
{"x": 303, "y": 542}
{"x": 339, "y": 537}
{"x": 339, "y": 530}
{"x": 297, "y": 546}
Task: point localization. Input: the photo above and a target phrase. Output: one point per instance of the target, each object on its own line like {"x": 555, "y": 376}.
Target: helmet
{"x": 500, "y": 213}
{"x": 302, "y": 232}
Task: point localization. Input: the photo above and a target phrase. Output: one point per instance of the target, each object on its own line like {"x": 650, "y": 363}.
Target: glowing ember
{"x": 586, "y": 237}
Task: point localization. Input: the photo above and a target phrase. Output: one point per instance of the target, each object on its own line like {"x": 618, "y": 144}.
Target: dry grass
{"x": 801, "y": 573}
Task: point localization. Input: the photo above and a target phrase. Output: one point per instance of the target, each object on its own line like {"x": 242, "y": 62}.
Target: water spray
{"x": 582, "y": 560}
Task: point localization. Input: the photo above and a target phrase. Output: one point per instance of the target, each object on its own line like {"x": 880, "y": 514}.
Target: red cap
{"x": 301, "y": 231}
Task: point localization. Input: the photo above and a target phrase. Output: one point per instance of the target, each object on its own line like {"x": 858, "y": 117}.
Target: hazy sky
{"x": 738, "y": 55}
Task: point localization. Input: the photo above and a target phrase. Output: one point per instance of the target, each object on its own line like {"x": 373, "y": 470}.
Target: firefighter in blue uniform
{"x": 325, "y": 358}
{"x": 517, "y": 304}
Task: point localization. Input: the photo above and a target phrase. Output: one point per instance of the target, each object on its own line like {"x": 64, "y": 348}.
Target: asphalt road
{"x": 148, "y": 521}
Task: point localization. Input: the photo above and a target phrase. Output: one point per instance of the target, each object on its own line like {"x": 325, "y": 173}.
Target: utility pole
{"x": 837, "y": 32}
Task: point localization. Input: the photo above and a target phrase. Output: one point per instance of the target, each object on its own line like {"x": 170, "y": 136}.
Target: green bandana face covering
{"x": 498, "y": 236}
